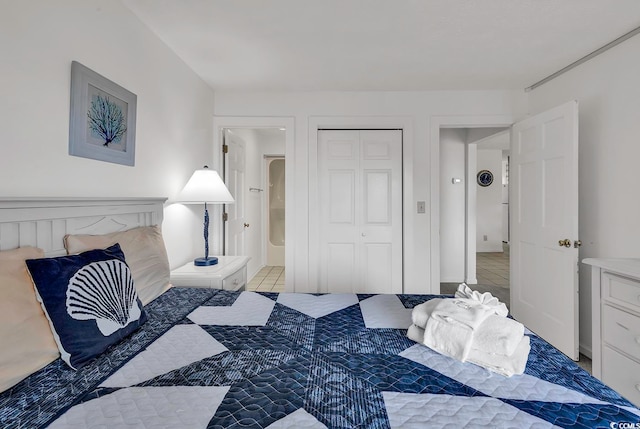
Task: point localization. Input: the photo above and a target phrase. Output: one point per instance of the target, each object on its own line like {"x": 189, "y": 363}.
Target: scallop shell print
{"x": 103, "y": 291}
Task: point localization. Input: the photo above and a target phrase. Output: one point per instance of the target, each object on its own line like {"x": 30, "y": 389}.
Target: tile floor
{"x": 492, "y": 268}
{"x": 268, "y": 279}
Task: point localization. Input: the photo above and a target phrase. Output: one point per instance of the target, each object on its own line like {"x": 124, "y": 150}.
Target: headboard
{"x": 43, "y": 222}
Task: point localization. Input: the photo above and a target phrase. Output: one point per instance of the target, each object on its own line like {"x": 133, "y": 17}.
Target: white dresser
{"x": 230, "y": 273}
{"x": 616, "y": 324}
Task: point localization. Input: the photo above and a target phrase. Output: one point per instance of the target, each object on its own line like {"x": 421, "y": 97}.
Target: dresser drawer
{"x": 622, "y": 374}
{"x": 235, "y": 281}
{"x": 621, "y": 330}
{"x": 621, "y": 290}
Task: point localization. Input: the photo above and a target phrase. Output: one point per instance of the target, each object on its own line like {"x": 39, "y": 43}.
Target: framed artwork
{"x": 102, "y": 122}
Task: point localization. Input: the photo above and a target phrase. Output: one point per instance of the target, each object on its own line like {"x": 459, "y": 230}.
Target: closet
{"x": 360, "y": 211}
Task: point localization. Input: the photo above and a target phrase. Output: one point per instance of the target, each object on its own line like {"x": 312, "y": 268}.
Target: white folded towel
{"x": 421, "y": 312}
{"x": 451, "y": 326}
{"x": 486, "y": 298}
{"x": 415, "y": 333}
{"x": 498, "y": 335}
{"x": 513, "y": 364}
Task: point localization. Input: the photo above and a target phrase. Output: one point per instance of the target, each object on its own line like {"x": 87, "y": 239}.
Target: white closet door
{"x": 360, "y": 200}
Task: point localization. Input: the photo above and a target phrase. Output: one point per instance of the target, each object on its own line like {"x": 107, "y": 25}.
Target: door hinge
{"x": 225, "y": 148}
{"x": 225, "y": 217}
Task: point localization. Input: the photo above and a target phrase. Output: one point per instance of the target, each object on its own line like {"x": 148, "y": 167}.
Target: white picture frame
{"x": 102, "y": 120}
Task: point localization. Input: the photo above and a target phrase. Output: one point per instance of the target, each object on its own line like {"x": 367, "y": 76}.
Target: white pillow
{"x": 144, "y": 252}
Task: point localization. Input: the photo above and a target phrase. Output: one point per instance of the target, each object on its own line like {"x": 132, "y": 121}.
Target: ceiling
{"x": 373, "y": 45}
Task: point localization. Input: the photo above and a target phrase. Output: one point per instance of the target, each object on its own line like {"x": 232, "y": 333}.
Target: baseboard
{"x": 446, "y": 280}
{"x": 585, "y": 350}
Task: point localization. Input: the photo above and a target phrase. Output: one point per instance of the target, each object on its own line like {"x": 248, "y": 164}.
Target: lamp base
{"x": 204, "y": 262}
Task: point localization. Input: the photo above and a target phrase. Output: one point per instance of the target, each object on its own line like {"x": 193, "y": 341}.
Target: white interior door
{"x": 544, "y": 210}
{"x": 235, "y": 180}
{"x": 360, "y": 200}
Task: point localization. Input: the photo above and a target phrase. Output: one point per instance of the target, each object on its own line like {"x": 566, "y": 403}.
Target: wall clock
{"x": 485, "y": 178}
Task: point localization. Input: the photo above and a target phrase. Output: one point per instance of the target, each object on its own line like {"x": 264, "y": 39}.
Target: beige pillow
{"x": 26, "y": 341}
{"x": 144, "y": 251}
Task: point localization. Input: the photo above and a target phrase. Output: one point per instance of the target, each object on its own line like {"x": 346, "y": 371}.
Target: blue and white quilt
{"x": 220, "y": 359}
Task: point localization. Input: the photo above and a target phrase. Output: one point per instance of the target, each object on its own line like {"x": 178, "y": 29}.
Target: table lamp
{"x": 205, "y": 186}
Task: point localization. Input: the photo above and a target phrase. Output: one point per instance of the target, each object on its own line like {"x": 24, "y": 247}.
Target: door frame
{"x": 435, "y": 123}
{"x": 288, "y": 123}
{"x": 404, "y": 123}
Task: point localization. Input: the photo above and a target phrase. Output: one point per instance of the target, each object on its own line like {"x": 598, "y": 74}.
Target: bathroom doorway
{"x": 261, "y": 193}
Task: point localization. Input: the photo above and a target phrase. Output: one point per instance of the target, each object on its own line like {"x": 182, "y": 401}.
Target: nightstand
{"x": 230, "y": 273}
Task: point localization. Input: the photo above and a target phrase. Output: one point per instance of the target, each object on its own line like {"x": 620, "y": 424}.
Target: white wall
{"x": 452, "y": 204}
{"x": 38, "y": 41}
{"x": 607, "y": 90}
{"x": 417, "y": 108}
{"x": 489, "y": 202}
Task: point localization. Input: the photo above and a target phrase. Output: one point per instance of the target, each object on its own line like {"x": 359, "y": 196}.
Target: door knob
{"x": 246, "y": 225}
{"x": 577, "y": 243}
{"x": 566, "y": 243}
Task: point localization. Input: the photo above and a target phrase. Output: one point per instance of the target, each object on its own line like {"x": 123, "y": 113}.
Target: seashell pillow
{"x": 90, "y": 300}
{"x": 144, "y": 250}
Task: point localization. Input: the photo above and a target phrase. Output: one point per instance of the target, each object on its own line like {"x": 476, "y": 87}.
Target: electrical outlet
{"x": 484, "y": 237}
{"x": 422, "y": 207}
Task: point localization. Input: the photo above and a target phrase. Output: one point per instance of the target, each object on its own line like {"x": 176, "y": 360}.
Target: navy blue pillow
{"x": 89, "y": 299}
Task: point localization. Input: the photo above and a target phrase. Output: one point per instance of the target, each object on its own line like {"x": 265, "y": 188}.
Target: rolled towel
{"x": 498, "y": 335}
{"x": 421, "y": 312}
{"x": 485, "y": 298}
{"x": 415, "y": 333}
{"x": 514, "y": 364}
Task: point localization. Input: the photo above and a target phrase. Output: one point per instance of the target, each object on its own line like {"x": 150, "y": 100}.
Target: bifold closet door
{"x": 360, "y": 203}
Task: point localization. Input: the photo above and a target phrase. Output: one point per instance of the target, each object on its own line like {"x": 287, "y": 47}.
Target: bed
{"x": 215, "y": 359}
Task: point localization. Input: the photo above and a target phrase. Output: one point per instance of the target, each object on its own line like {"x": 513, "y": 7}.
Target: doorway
{"x": 254, "y": 169}
{"x": 474, "y": 244}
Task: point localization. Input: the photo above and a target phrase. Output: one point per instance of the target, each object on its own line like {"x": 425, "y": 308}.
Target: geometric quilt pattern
{"x": 308, "y": 360}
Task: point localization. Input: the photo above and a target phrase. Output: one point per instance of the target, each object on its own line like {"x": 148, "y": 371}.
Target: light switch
{"x": 421, "y": 207}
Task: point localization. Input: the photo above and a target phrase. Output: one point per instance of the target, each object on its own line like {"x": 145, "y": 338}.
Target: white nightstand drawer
{"x": 192, "y": 282}
{"x": 622, "y": 374}
{"x": 228, "y": 273}
{"x": 621, "y": 290}
{"x": 621, "y": 330}
{"x": 235, "y": 281}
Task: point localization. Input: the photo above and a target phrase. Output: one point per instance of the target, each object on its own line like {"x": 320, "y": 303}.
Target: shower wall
{"x": 275, "y": 210}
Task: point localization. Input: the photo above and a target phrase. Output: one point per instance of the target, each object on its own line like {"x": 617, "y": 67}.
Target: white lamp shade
{"x": 205, "y": 186}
